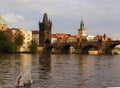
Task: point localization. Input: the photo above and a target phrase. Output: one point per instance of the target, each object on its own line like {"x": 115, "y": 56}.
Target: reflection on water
{"x": 44, "y": 70}
{"x": 25, "y": 71}
{"x": 25, "y": 64}
{"x": 45, "y": 62}
{"x": 61, "y": 70}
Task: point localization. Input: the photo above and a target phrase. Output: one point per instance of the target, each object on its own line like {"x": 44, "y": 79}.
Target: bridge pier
{"x": 101, "y": 47}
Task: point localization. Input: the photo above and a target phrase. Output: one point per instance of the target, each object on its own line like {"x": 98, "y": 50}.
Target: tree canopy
{"x": 33, "y": 46}
{"x": 19, "y": 38}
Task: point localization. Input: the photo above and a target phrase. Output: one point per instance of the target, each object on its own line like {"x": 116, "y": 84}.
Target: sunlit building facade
{"x": 27, "y": 39}
{"x": 35, "y": 36}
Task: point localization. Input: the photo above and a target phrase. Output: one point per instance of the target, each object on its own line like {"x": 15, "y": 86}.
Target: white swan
{"x": 19, "y": 81}
{"x": 27, "y": 79}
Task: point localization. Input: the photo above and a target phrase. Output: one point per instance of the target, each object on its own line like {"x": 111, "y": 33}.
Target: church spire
{"x": 45, "y": 18}
{"x": 82, "y": 24}
{"x": 82, "y": 30}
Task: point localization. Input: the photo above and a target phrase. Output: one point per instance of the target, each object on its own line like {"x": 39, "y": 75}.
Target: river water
{"x": 61, "y": 70}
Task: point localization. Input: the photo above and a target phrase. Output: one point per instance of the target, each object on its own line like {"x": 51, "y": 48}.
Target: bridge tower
{"x": 81, "y": 30}
{"x": 45, "y": 29}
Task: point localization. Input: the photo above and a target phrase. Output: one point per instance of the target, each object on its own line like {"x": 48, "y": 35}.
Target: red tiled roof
{"x": 54, "y": 36}
{"x": 72, "y": 36}
{"x": 35, "y": 32}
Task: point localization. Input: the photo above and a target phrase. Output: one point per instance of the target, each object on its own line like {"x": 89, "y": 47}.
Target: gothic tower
{"x": 45, "y": 29}
{"x": 82, "y": 30}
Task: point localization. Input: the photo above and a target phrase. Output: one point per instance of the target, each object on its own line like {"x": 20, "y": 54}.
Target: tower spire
{"x": 82, "y": 24}
{"x": 45, "y": 18}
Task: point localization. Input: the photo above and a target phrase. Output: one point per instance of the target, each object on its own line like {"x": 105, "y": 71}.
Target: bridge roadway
{"x": 83, "y": 47}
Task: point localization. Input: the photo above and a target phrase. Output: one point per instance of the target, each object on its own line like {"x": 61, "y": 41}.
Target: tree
{"x": 9, "y": 34}
{"x": 9, "y": 47}
{"x": 3, "y": 39}
{"x": 33, "y": 46}
{"x": 6, "y": 46}
{"x": 19, "y": 38}
{"x": 2, "y": 36}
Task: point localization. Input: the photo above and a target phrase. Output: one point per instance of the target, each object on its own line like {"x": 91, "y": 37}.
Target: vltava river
{"x": 61, "y": 70}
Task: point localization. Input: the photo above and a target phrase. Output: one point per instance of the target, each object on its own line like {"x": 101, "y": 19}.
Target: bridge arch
{"x": 87, "y": 48}
{"x": 50, "y": 49}
{"x": 68, "y": 49}
{"x": 47, "y": 41}
{"x": 109, "y": 48}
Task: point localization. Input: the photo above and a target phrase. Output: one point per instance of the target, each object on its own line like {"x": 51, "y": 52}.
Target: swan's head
{"x": 19, "y": 77}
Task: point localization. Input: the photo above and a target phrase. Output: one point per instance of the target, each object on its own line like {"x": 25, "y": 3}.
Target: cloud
{"x": 13, "y": 18}
{"x": 24, "y": 1}
{"x": 69, "y": 8}
{"x": 73, "y": 8}
{"x": 65, "y": 14}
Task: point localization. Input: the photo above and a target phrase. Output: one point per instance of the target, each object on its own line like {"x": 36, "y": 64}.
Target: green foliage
{"x": 2, "y": 36}
{"x": 5, "y": 45}
{"x": 33, "y": 46}
{"x": 9, "y": 47}
{"x": 14, "y": 47}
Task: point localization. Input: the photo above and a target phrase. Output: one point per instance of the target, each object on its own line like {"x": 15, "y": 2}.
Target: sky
{"x": 100, "y": 16}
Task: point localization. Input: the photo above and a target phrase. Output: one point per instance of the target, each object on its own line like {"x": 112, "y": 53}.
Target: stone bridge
{"x": 82, "y": 47}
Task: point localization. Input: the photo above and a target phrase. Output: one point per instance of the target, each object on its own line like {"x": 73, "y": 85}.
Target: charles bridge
{"x": 82, "y": 47}
{"x": 103, "y": 47}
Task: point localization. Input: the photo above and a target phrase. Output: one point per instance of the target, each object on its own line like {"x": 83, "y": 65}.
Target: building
{"x": 27, "y": 39}
{"x": 103, "y": 37}
{"x": 3, "y": 24}
{"x": 45, "y": 28}
{"x": 63, "y": 38}
{"x": 35, "y": 36}
{"x": 54, "y": 39}
{"x": 90, "y": 38}
{"x": 71, "y": 39}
